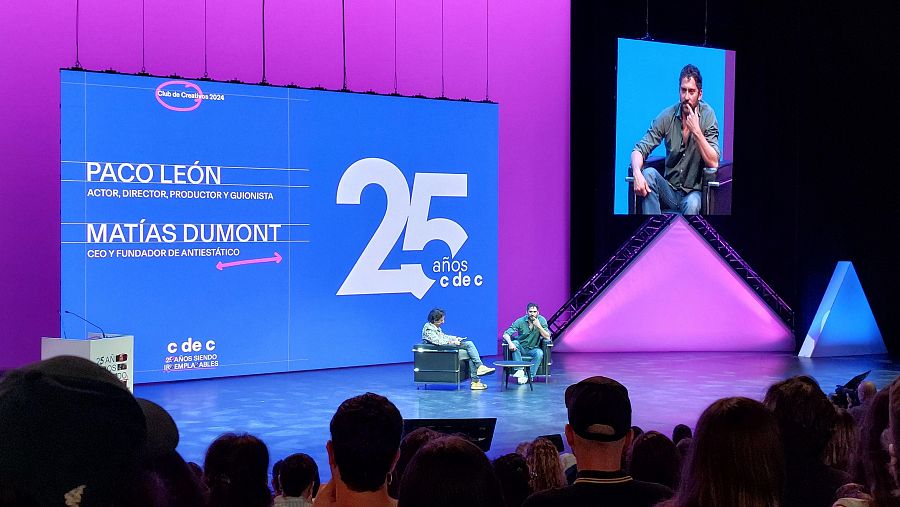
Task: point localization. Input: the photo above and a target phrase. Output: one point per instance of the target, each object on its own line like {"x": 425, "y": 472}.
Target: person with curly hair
{"x": 543, "y": 462}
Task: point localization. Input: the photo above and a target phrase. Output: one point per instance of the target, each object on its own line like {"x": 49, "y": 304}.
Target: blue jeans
{"x": 474, "y": 358}
{"x": 537, "y": 355}
{"x": 662, "y": 195}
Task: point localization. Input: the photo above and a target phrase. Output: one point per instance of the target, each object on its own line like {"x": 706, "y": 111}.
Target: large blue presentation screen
{"x": 237, "y": 229}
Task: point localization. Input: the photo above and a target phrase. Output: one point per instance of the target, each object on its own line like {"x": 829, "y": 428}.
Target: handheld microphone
{"x": 89, "y": 322}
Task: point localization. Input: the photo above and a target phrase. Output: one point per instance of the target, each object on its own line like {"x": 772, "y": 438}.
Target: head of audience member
{"x": 636, "y": 431}
{"x": 853, "y": 495}
{"x": 276, "y": 469}
{"x": 735, "y": 458}
{"x": 543, "y": 463}
{"x": 70, "y": 429}
{"x": 865, "y": 391}
{"x": 449, "y": 472}
{"x": 681, "y": 431}
{"x": 522, "y": 447}
{"x": 236, "y": 471}
{"x": 196, "y": 469}
{"x": 599, "y": 427}
{"x": 894, "y": 428}
{"x": 872, "y": 459}
{"x": 843, "y": 441}
{"x": 512, "y": 471}
{"x": 411, "y": 443}
{"x": 299, "y": 477}
{"x": 683, "y": 448}
{"x": 805, "y": 416}
{"x": 177, "y": 485}
{"x": 436, "y": 315}
{"x": 653, "y": 458}
{"x": 364, "y": 445}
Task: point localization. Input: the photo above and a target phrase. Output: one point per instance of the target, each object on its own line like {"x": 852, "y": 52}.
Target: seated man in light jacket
{"x": 432, "y": 333}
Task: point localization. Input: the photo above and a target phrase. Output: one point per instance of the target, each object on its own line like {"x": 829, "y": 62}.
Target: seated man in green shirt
{"x": 529, "y": 332}
{"x": 432, "y": 333}
{"x": 690, "y": 132}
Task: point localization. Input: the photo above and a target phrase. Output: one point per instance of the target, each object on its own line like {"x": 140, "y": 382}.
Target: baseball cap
{"x": 599, "y": 409}
{"x": 67, "y": 422}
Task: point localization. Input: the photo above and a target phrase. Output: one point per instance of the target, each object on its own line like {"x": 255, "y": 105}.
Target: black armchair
{"x": 439, "y": 364}
{"x": 546, "y": 362}
{"x": 716, "y": 198}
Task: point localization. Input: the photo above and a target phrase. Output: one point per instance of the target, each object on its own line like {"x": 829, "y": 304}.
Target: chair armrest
{"x": 709, "y": 176}
{"x": 430, "y": 346}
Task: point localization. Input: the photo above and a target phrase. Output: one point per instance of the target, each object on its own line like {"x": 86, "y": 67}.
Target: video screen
{"x": 674, "y": 117}
{"x": 236, "y": 229}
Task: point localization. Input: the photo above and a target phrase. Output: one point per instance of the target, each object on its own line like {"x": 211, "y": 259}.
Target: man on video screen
{"x": 691, "y": 134}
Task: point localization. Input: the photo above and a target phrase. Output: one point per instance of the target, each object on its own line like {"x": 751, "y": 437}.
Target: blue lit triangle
{"x": 844, "y": 324}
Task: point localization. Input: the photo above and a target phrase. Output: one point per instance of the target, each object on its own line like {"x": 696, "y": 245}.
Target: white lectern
{"x": 115, "y": 353}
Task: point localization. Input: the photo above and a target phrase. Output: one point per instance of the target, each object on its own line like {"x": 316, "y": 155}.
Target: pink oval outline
{"x": 187, "y": 84}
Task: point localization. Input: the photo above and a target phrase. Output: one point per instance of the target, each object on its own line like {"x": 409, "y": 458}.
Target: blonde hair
{"x": 543, "y": 462}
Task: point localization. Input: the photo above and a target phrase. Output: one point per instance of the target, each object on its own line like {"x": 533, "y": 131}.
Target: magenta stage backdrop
{"x": 519, "y": 49}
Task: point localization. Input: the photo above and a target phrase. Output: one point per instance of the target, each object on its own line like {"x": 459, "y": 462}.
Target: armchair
{"x": 437, "y": 364}
{"x": 716, "y": 197}
{"x": 546, "y": 362}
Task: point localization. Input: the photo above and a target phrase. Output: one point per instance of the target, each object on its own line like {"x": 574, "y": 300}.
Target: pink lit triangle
{"x": 678, "y": 295}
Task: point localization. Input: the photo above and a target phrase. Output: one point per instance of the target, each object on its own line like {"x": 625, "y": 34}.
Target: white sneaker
{"x": 520, "y": 373}
{"x": 522, "y": 380}
{"x": 484, "y": 370}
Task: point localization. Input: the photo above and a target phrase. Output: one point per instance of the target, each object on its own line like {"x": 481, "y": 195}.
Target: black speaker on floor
{"x": 479, "y": 431}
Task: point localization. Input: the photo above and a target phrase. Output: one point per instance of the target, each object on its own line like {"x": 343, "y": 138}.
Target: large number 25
{"x": 367, "y": 277}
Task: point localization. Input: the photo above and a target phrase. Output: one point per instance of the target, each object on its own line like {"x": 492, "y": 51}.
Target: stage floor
{"x": 291, "y": 411}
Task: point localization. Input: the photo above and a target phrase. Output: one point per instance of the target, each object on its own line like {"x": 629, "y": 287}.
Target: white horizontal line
{"x": 185, "y": 184}
{"x": 187, "y": 165}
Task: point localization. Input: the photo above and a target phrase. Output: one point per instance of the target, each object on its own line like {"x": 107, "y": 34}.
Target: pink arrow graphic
{"x": 222, "y": 265}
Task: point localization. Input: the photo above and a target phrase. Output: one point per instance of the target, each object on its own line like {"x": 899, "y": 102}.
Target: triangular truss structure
{"x": 740, "y": 266}
{"x": 631, "y": 249}
{"x": 588, "y": 292}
